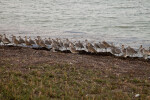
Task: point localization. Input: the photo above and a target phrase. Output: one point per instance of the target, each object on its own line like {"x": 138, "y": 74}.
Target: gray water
{"x": 120, "y": 21}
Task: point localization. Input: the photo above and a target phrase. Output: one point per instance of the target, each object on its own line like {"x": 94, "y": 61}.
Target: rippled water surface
{"x": 120, "y": 21}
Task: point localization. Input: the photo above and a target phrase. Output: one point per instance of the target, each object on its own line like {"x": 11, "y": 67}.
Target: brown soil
{"x": 21, "y": 56}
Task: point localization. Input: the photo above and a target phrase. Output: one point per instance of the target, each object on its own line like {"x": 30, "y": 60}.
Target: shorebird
{"x": 56, "y": 42}
{"x": 88, "y": 44}
{"x": 54, "y": 45}
{"x": 140, "y": 49}
{"x": 21, "y": 41}
{"x": 0, "y": 39}
{"x": 60, "y": 43}
{"x": 50, "y": 41}
{"x": 96, "y": 45}
{"x": 90, "y": 48}
{"x": 37, "y": 42}
{"x": 5, "y": 40}
{"x": 15, "y": 41}
{"x": 102, "y": 46}
{"x": 70, "y": 43}
{"x": 72, "y": 48}
{"x": 123, "y": 50}
{"x": 38, "y": 37}
{"x": 47, "y": 42}
{"x": 42, "y": 44}
{"x": 146, "y": 53}
{"x": 79, "y": 45}
{"x": 31, "y": 41}
{"x": 131, "y": 51}
{"x": 106, "y": 45}
{"x": 66, "y": 44}
{"x": 112, "y": 45}
{"x": 115, "y": 50}
{"x": 27, "y": 42}
{"x": 125, "y": 53}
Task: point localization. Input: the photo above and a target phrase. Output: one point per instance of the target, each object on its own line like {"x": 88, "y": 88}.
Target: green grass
{"x": 68, "y": 82}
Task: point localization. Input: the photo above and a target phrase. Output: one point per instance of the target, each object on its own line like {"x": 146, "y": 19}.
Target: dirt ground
{"x": 21, "y": 56}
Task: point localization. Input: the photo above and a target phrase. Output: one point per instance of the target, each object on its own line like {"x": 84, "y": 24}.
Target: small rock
{"x": 71, "y": 63}
{"x": 137, "y": 95}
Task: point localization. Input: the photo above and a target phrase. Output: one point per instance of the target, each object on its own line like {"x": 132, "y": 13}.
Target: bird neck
{"x": 25, "y": 38}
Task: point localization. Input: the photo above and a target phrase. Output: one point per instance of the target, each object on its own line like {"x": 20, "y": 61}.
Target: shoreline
{"x": 82, "y": 52}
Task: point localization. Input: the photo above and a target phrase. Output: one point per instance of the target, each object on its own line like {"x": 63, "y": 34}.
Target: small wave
{"x": 74, "y": 32}
{"x": 110, "y": 17}
{"x": 125, "y": 7}
{"x": 124, "y": 26}
{"x": 141, "y": 22}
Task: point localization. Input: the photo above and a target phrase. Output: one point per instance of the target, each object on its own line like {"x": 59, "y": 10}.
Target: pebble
{"x": 137, "y": 95}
